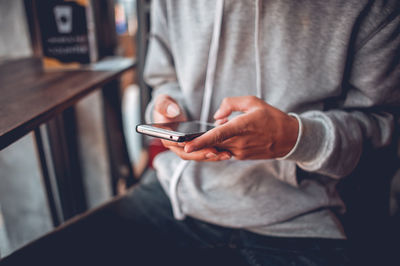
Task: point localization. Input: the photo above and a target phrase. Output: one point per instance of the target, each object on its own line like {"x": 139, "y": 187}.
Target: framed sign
{"x": 67, "y": 33}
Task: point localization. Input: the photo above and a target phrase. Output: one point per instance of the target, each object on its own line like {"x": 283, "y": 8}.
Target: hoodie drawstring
{"x": 212, "y": 62}
{"x": 206, "y": 104}
{"x": 257, "y": 48}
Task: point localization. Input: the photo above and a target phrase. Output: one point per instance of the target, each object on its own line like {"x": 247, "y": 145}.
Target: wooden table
{"x": 31, "y": 97}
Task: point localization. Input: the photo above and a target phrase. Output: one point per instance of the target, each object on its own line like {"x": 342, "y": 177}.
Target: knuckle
{"x": 226, "y": 101}
{"x": 252, "y": 99}
{"x": 219, "y": 137}
{"x": 270, "y": 147}
{"x": 242, "y": 144}
{"x": 239, "y": 156}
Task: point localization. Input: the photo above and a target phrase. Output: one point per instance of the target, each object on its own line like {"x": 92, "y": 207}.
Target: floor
{"x": 24, "y": 211}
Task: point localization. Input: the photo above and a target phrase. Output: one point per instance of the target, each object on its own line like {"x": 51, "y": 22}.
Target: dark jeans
{"x": 139, "y": 229}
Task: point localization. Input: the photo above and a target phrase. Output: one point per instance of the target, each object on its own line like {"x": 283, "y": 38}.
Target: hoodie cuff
{"x": 299, "y": 135}
{"x": 313, "y": 143}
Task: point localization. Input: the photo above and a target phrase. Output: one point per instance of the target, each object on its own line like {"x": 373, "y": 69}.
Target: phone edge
{"x": 158, "y": 134}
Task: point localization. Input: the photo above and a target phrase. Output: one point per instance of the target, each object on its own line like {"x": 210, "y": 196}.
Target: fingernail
{"x": 181, "y": 144}
{"x": 220, "y": 122}
{"x": 217, "y": 114}
{"x": 210, "y": 155}
{"x": 173, "y": 110}
{"x": 188, "y": 149}
{"x": 225, "y": 157}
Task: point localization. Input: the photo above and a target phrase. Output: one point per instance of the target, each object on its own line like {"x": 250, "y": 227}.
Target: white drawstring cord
{"x": 205, "y": 109}
{"x": 173, "y": 193}
{"x": 257, "y": 48}
{"x": 212, "y": 62}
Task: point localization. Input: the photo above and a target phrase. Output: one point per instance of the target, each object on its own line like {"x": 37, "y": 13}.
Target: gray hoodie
{"x": 334, "y": 63}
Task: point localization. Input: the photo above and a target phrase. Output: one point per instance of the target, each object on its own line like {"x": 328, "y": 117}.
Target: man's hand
{"x": 261, "y": 132}
{"x": 167, "y": 110}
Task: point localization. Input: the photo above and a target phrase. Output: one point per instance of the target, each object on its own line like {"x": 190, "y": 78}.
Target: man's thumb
{"x": 168, "y": 108}
{"x": 173, "y": 110}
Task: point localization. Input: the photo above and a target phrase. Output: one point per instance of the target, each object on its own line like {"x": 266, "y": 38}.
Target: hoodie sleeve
{"x": 332, "y": 141}
{"x": 159, "y": 72}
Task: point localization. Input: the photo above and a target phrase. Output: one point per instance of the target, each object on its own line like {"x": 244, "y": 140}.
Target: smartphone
{"x": 175, "y": 131}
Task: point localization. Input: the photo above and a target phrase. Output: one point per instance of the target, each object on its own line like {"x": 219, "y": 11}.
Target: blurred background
{"x": 24, "y": 210}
